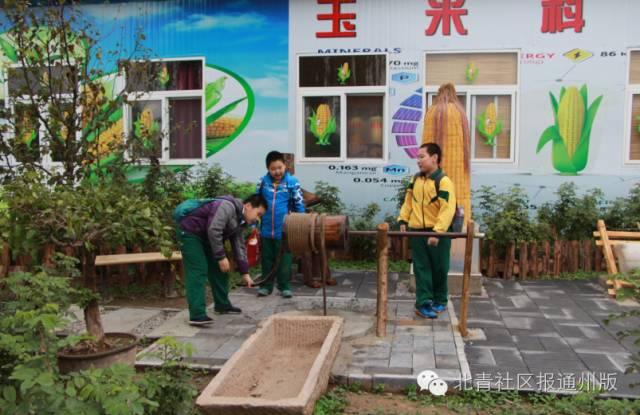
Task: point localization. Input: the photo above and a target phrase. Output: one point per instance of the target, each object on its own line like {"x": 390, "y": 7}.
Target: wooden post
{"x": 533, "y": 260}
{"x": 612, "y": 268}
{"x": 524, "y": 261}
{"x": 5, "y": 260}
{"x": 587, "y": 255}
{"x": 466, "y": 279}
{"x": 383, "y": 268}
{"x": 557, "y": 257}
{"x": 597, "y": 266}
{"x": 323, "y": 253}
{"x": 491, "y": 268}
{"x": 546, "y": 258}
{"x": 508, "y": 261}
{"x": 575, "y": 256}
{"x": 47, "y": 255}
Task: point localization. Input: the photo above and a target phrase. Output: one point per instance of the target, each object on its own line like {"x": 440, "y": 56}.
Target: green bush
{"x": 330, "y": 196}
{"x": 363, "y": 219}
{"x": 212, "y": 181}
{"x": 572, "y": 217}
{"x": 33, "y": 307}
{"x": 505, "y": 217}
{"x": 624, "y": 212}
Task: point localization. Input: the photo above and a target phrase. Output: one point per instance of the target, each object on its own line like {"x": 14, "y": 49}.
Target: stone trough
{"x": 283, "y": 368}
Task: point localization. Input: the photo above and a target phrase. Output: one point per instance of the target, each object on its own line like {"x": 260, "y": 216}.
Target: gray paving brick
{"x": 479, "y": 356}
{"x": 423, "y": 361}
{"x": 445, "y": 348}
{"x": 508, "y": 358}
{"x": 554, "y": 344}
{"x": 423, "y": 343}
{"x": 447, "y": 362}
{"x": 401, "y": 360}
{"x": 376, "y": 370}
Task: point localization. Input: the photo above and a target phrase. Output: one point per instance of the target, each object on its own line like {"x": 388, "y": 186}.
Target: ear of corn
{"x": 344, "y": 73}
{"x": 322, "y": 124}
{"x": 223, "y": 127}
{"x": 571, "y": 119}
{"x": 571, "y": 131}
{"x": 488, "y": 124}
{"x": 472, "y": 72}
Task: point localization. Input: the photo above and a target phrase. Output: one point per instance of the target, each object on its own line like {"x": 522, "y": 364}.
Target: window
{"x": 30, "y": 137}
{"x": 632, "y": 134}
{"x": 165, "y": 117}
{"x": 487, "y": 86}
{"x": 341, "y": 108}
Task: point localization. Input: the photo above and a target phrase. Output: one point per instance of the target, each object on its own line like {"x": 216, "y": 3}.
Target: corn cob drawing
{"x": 344, "y": 73}
{"x": 322, "y": 124}
{"x": 163, "y": 76}
{"x": 109, "y": 140}
{"x": 145, "y": 128}
{"x": 489, "y": 125}
{"x": 638, "y": 126}
{"x": 570, "y": 135}
{"x": 471, "y": 73}
{"x": 223, "y": 127}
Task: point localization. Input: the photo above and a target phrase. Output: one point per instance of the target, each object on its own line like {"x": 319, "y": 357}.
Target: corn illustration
{"x": 571, "y": 132}
{"x": 163, "y": 76}
{"x": 322, "y": 124}
{"x": 109, "y": 140}
{"x": 488, "y": 124}
{"x": 571, "y": 119}
{"x": 344, "y": 73}
{"x": 145, "y": 128}
{"x": 223, "y": 127}
{"x": 472, "y": 72}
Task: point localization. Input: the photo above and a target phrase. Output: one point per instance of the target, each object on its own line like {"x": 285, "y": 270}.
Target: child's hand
{"x": 247, "y": 278}
{"x": 224, "y": 265}
{"x": 403, "y": 228}
{"x": 433, "y": 241}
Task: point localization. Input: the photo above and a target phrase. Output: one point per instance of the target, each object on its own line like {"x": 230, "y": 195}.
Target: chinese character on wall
{"x": 444, "y": 12}
{"x": 558, "y": 15}
{"x": 339, "y": 20}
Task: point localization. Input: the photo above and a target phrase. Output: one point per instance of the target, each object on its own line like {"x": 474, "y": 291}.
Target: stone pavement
{"x": 412, "y": 344}
{"x": 549, "y": 335}
{"x": 536, "y": 335}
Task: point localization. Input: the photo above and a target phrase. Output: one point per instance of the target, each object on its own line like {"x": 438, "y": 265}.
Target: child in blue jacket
{"x": 283, "y": 194}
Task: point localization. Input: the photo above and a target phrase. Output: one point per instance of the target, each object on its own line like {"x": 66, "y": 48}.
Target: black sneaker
{"x": 201, "y": 321}
{"x": 227, "y": 309}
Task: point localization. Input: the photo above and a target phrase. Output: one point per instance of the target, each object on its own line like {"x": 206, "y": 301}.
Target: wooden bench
{"x": 607, "y": 240}
{"x": 144, "y": 258}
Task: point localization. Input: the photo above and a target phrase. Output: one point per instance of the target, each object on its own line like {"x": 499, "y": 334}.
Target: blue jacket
{"x": 287, "y": 197}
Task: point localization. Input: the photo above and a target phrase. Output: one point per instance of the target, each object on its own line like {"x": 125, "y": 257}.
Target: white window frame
{"x": 10, "y": 103}
{"x": 342, "y": 92}
{"x": 630, "y": 91}
{"x": 164, "y": 97}
{"x": 469, "y": 90}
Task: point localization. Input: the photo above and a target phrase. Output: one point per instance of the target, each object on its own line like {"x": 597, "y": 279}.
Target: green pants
{"x": 270, "y": 251}
{"x": 200, "y": 266}
{"x": 431, "y": 267}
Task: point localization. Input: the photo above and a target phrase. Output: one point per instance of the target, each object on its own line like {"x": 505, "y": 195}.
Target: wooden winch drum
{"x": 302, "y": 232}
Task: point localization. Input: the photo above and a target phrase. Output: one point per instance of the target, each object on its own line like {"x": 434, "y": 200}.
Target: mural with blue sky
{"x": 248, "y": 37}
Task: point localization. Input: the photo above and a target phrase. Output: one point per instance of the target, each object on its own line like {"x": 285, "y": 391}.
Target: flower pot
{"x": 73, "y": 362}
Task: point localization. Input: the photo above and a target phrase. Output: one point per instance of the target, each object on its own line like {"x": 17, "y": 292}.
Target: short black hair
{"x": 433, "y": 148}
{"x": 256, "y": 200}
{"x": 274, "y": 156}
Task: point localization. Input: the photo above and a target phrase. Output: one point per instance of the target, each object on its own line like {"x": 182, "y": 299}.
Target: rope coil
{"x": 300, "y": 229}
